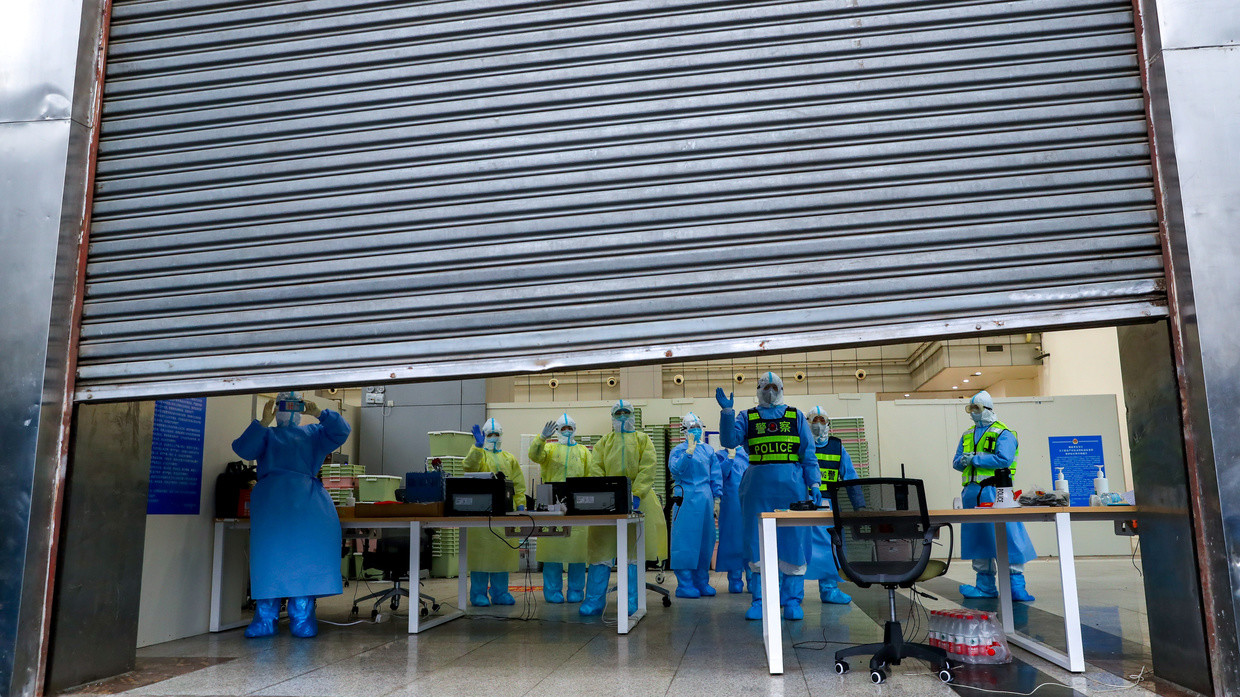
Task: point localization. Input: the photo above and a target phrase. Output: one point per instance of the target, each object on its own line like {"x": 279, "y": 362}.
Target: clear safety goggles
{"x": 622, "y": 415}
{"x": 972, "y": 408}
{"x": 820, "y": 421}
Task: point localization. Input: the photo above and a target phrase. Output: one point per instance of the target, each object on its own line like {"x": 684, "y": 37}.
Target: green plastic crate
{"x": 450, "y": 443}
{"x": 377, "y": 487}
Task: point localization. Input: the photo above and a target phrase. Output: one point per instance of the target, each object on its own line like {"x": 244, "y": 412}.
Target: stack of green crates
{"x": 446, "y": 544}
{"x": 331, "y": 474}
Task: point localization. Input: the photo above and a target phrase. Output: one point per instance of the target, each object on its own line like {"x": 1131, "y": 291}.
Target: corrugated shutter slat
{"x": 339, "y": 191}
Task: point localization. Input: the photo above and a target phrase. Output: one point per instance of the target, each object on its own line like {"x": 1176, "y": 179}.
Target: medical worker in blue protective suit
{"x": 730, "y": 556}
{"x": 697, "y": 480}
{"x": 625, "y": 452}
{"x": 783, "y": 468}
{"x": 557, "y": 462}
{"x": 491, "y": 556}
{"x": 834, "y": 464}
{"x": 988, "y": 446}
{"x": 294, "y": 529}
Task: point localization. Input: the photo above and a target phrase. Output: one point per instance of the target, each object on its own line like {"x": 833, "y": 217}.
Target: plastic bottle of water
{"x": 956, "y": 635}
{"x": 972, "y": 648}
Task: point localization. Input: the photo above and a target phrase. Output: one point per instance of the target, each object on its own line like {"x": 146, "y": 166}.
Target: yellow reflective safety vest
{"x": 829, "y": 457}
{"x": 988, "y": 443}
{"x": 772, "y": 440}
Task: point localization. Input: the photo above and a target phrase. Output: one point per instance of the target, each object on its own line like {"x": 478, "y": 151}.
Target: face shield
{"x": 981, "y": 414}
{"x": 770, "y": 390}
{"x": 289, "y": 407}
{"x": 622, "y": 421}
{"x": 820, "y": 426}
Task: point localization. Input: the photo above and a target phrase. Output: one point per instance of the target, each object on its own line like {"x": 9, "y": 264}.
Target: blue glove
{"x": 724, "y": 402}
{"x": 816, "y": 496}
{"x": 637, "y": 502}
{"x": 477, "y": 431}
{"x": 521, "y": 508}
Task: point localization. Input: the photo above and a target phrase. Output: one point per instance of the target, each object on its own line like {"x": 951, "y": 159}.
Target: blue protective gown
{"x": 977, "y": 540}
{"x": 731, "y": 553}
{"x": 698, "y": 480}
{"x": 821, "y": 559}
{"x": 294, "y": 529}
{"x": 770, "y": 486}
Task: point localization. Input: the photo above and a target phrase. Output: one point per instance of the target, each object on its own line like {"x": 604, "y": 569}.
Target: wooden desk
{"x": 1073, "y": 660}
{"x": 624, "y": 621}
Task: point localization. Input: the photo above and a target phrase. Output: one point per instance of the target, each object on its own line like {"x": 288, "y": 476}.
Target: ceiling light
{"x": 955, "y": 387}
{"x": 978, "y": 373}
{"x": 905, "y": 395}
{"x": 965, "y": 380}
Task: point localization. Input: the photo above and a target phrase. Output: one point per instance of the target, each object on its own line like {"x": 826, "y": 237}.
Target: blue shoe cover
{"x": 301, "y": 621}
{"x": 985, "y": 587}
{"x": 755, "y": 589}
{"x": 266, "y": 613}
{"x": 633, "y": 589}
{"x": 553, "y": 582}
{"x": 1019, "y": 594}
{"x": 685, "y": 587}
{"x": 499, "y": 590}
{"x": 597, "y": 577}
{"x": 829, "y": 592}
{"x": 701, "y": 578}
{"x": 478, "y": 589}
{"x": 736, "y": 583}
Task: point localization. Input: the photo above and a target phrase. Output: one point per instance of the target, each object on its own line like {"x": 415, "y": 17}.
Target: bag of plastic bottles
{"x": 969, "y": 636}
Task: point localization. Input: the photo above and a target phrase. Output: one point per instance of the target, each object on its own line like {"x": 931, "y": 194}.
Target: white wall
{"x": 1086, "y": 361}
{"x": 923, "y": 435}
{"x": 176, "y": 569}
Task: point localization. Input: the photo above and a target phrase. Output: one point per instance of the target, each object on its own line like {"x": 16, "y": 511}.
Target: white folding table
{"x": 1073, "y": 660}
{"x": 524, "y": 523}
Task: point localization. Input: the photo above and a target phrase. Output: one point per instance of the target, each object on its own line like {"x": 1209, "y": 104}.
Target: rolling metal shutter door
{"x": 342, "y": 191}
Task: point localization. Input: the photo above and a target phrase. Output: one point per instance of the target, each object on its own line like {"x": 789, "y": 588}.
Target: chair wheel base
{"x": 841, "y": 667}
{"x": 877, "y": 676}
{"x": 946, "y": 675}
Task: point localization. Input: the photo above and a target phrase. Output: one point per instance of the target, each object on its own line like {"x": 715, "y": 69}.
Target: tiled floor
{"x": 696, "y": 647}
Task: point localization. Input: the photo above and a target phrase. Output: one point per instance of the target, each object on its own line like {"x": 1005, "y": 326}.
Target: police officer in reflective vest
{"x": 782, "y": 468}
{"x": 834, "y": 464}
{"x": 990, "y": 445}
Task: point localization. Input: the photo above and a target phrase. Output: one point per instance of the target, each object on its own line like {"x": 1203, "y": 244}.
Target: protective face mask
{"x": 820, "y": 431}
{"x": 696, "y": 433}
{"x": 625, "y": 424}
{"x": 984, "y": 417}
{"x": 287, "y": 418}
{"x": 566, "y": 436}
{"x": 768, "y": 397}
{"x": 492, "y": 443}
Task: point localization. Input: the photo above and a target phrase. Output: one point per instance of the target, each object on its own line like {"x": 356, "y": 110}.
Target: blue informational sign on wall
{"x": 1080, "y": 457}
{"x": 176, "y": 457}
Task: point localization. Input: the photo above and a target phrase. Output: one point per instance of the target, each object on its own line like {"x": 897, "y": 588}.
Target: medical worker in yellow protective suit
{"x": 559, "y": 461}
{"x": 491, "y": 556}
{"x": 629, "y": 453}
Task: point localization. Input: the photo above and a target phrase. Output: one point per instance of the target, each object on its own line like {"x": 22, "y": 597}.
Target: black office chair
{"x": 887, "y": 541}
{"x": 391, "y": 556}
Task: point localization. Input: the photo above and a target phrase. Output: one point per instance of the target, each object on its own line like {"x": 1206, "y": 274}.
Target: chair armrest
{"x": 933, "y": 532}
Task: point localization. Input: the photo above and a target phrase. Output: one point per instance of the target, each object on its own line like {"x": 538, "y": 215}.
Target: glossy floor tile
{"x": 695, "y": 647}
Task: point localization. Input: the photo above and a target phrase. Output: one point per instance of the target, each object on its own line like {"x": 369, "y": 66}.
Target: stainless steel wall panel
{"x": 99, "y": 574}
{"x": 567, "y": 167}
